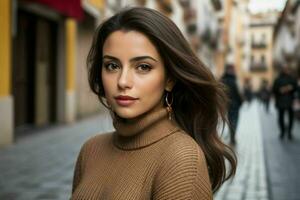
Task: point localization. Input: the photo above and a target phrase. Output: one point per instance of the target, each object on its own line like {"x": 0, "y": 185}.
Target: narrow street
{"x": 282, "y": 160}
{"x": 267, "y": 166}
{"x": 250, "y": 181}
{"x": 40, "y": 166}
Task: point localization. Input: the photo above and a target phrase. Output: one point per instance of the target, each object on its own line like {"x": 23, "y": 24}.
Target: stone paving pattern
{"x": 283, "y": 159}
{"x": 40, "y": 166}
{"x": 250, "y": 182}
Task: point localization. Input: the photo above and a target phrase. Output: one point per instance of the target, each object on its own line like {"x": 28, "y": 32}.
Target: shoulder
{"x": 96, "y": 142}
{"x": 182, "y": 148}
{"x": 277, "y": 82}
{"x": 101, "y": 137}
{"x": 182, "y": 139}
{"x": 294, "y": 81}
{"x": 183, "y": 171}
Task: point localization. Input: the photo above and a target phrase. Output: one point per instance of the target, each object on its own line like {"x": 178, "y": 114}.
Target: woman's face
{"x": 133, "y": 74}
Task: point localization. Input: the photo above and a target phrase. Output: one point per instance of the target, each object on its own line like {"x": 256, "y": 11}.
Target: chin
{"x": 127, "y": 114}
{"x": 132, "y": 112}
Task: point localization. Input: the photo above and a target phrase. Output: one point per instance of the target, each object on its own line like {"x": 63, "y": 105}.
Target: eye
{"x": 111, "y": 66}
{"x": 144, "y": 68}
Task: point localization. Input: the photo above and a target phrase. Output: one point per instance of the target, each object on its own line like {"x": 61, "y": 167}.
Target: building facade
{"x": 287, "y": 38}
{"x": 39, "y": 63}
{"x": 44, "y": 46}
{"x": 261, "y": 30}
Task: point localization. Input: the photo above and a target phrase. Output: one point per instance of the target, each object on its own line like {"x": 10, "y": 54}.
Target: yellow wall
{"x": 227, "y": 20}
{"x": 5, "y": 48}
{"x": 99, "y": 4}
{"x": 71, "y": 29}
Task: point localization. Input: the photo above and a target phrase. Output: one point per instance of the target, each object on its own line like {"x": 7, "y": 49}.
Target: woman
{"x": 165, "y": 106}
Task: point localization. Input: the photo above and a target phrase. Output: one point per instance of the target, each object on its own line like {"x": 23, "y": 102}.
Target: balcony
{"x": 165, "y": 6}
{"x": 191, "y": 28}
{"x": 258, "y": 45}
{"x": 210, "y": 39}
{"x": 258, "y": 67}
{"x": 217, "y": 4}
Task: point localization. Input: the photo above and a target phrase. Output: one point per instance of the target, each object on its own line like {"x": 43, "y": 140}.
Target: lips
{"x": 125, "y": 100}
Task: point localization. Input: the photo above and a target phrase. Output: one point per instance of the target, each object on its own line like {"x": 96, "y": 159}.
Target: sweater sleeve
{"x": 183, "y": 175}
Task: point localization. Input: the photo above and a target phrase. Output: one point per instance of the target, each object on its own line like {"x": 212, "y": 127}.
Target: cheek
{"x": 107, "y": 84}
{"x": 152, "y": 86}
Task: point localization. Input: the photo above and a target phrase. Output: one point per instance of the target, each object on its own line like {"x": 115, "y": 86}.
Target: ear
{"x": 169, "y": 85}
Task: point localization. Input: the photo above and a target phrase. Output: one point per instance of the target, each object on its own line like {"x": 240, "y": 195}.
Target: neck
{"x": 143, "y": 130}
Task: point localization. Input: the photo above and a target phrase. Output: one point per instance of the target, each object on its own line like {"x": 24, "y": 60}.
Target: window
{"x": 263, "y": 38}
{"x": 263, "y": 59}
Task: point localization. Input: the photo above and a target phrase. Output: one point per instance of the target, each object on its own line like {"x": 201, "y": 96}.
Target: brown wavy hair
{"x": 199, "y": 100}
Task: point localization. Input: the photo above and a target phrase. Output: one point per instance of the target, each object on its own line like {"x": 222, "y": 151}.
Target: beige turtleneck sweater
{"x": 150, "y": 158}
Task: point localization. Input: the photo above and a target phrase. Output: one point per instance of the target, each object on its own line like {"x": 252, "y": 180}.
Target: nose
{"x": 125, "y": 79}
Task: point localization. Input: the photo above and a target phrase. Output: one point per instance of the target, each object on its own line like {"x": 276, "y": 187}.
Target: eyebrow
{"x": 138, "y": 58}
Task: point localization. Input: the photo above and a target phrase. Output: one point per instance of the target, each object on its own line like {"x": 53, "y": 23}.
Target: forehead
{"x": 129, "y": 43}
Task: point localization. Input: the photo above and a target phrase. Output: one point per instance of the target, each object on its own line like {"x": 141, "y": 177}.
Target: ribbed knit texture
{"x": 149, "y": 158}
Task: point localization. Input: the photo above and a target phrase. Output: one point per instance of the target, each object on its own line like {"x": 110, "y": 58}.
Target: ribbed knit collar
{"x": 144, "y": 131}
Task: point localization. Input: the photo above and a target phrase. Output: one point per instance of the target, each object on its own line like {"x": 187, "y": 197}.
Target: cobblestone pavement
{"x": 40, "y": 166}
{"x": 250, "y": 181}
{"x": 283, "y": 158}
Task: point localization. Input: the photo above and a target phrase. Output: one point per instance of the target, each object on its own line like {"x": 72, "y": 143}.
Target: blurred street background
{"x": 47, "y": 110}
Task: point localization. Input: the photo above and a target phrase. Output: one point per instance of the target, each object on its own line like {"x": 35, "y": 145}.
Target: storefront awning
{"x": 69, "y": 8}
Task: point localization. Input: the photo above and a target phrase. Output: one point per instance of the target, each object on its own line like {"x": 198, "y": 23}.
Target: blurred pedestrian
{"x": 247, "y": 90}
{"x": 284, "y": 88}
{"x": 265, "y": 94}
{"x": 165, "y": 105}
{"x": 235, "y": 100}
{"x": 297, "y": 103}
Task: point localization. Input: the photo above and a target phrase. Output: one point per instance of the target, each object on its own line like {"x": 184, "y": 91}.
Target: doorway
{"x": 34, "y": 72}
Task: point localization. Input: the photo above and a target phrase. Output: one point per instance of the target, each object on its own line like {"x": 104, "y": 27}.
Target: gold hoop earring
{"x": 169, "y": 104}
